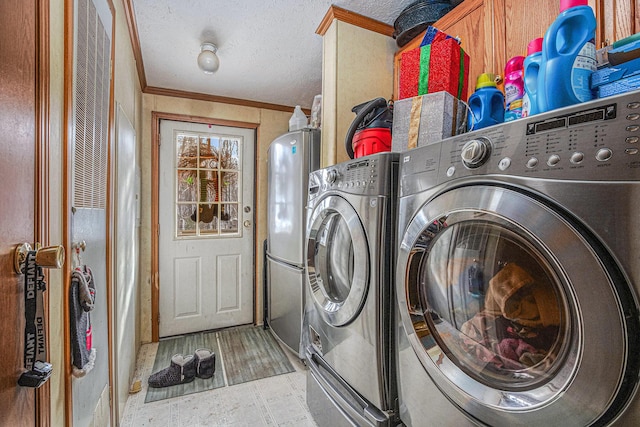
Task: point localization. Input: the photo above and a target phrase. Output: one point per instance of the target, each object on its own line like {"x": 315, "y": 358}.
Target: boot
{"x": 205, "y": 363}
{"x": 181, "y": 370}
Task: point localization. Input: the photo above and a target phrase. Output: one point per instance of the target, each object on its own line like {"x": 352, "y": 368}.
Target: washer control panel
{"x": 598, "y": 140}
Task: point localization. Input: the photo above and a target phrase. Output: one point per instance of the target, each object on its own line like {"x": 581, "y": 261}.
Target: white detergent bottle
{"x": 298, "y": 119}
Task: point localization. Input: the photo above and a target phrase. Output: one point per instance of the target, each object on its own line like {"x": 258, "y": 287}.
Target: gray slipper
{"x": 205, "y": 362}
{"x": 181, "y": 370}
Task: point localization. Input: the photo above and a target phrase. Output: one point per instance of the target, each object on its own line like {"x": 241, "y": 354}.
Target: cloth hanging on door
{"x": 81, "y": 301}
{"x": 35, "y": 348}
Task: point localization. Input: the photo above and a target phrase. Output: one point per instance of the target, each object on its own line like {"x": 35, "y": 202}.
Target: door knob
{"x": 49, "y": 257}
{"x": 247, "y": 223}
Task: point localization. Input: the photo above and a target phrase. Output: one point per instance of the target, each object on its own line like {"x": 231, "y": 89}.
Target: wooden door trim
{"x": 66, "y": 199}
{"x": 112, "y": 375}
{"x": 42, "y": 201}
{"x": 156, "y": 116}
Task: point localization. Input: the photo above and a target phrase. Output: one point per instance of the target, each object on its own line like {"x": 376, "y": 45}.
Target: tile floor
{"x": 273, "y": 401}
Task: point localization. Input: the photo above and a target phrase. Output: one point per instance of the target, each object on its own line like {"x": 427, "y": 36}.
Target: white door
{"x": 206, "y": 227}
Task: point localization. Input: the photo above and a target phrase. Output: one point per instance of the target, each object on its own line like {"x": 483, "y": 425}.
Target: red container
{"x": 371, "y": 141}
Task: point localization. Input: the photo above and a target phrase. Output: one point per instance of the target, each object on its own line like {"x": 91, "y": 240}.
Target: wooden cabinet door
{"x": 617, "y": 19}
{"x": 519, "y": 23}
{"x": 471, "y": 23}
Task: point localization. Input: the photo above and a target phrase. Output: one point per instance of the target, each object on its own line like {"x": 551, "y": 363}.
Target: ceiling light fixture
{"x": 207, "y": 59}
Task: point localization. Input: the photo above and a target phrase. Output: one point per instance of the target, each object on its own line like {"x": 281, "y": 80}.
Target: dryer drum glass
{"x": 334, "y": 258}
{"x": 492, "y": 302}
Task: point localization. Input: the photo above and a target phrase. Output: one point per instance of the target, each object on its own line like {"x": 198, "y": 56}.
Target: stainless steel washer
{"x": 348, "y": 310}
{"x": 518, "y": 272}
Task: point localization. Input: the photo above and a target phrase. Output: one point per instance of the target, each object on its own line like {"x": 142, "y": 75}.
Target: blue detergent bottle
{"x": 486, "y": 104}
{"x": 568, "y": 57}
{"x": 531, "y": 69}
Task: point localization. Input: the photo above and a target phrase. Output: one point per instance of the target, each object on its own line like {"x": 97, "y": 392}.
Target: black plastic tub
{"x": 416, "y": 17}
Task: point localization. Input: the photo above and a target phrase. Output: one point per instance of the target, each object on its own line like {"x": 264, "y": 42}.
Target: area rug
{"x": 245, "y": 353}
{"x": 186, "y": 344}
{"x": 251, "y": 353}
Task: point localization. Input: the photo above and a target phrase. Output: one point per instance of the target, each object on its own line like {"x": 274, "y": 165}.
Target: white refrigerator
{"x": 291, "y": 158}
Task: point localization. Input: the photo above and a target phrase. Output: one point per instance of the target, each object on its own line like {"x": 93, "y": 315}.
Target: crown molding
{"x": 152, "y": 90}
{"x": 352, "y": 18}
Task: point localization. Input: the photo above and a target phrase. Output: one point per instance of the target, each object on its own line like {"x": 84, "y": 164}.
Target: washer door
{"x": 515, "y": 311}
{"x": 337, "y": 261}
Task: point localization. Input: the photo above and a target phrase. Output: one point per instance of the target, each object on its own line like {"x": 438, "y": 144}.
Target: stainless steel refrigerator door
{"x": 285, "y": 285}
{"x": 292, "y": 157}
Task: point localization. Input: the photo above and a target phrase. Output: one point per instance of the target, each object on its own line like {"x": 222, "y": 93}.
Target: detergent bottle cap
{"x": 566, "y": 4}
{"x": 486, "y": 80}
{"x": 514, "y": 64}
{"x": 534, "y": 46}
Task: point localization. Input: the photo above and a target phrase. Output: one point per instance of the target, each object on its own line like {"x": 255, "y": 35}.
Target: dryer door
{"x": 337, "y": 261}
{"x": 517, "y": 313}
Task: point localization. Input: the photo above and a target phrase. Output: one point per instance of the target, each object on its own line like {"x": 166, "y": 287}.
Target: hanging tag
{"x": 38, "y": 371}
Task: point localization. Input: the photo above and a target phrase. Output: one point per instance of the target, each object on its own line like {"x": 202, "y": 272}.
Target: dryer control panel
{"x": 368, "y": 175}
{"x": 594, "y": 141}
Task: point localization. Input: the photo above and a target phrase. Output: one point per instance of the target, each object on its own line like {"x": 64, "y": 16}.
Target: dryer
{"x": 518, "y": 272}
{"x": 349, "y": 304}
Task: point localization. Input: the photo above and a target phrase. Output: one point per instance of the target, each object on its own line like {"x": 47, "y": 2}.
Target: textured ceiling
{"x": 269, "y": 50}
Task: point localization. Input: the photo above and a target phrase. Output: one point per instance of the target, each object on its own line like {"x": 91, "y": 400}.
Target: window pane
{"x": 229, "y": 187}
{"x": 229, "y": 154}
{"x": 187, "y": 150}
{"x": 209, "y": 228}
{"x": 229, "y": 219}
{"x": 187, "y": 189}
{"x": 186, "y": 225}
{"x": 209, "y": 152}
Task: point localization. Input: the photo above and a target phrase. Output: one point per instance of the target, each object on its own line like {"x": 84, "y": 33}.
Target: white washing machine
{"x": 518, "y": 272}
{"x": 349, "y": 305}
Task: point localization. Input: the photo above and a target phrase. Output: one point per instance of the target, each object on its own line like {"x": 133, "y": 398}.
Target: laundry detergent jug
{"x": 486, "y": 105}
{"x": 531, "y": 70}
{"x": 568, "y": 57}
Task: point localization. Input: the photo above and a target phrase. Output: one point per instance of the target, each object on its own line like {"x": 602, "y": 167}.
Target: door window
{"x": 491, "y": 300}
{"x": 207, "y": 184}
{"x": 334, "y": 258}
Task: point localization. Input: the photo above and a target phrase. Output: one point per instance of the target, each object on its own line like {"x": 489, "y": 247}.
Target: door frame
{"x": 156, "y": 117}
{"x": 42, "y": 201}
{"x": 67, "y": 144}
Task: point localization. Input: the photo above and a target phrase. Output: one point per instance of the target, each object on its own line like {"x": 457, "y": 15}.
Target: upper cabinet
{"x": 493, "y": 31}
{"x": 617, "y": 19}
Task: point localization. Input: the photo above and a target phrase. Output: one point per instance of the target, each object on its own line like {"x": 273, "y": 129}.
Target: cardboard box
{"x": 613, "y": 73}
{"x": 616, "y": 79}
{"x": 426, "y": 119}
{"x": 620, "y": 86}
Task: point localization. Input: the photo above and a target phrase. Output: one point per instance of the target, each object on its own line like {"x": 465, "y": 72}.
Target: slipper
{"x": 181, "y": 370}
{"x": 205, "y": 362}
